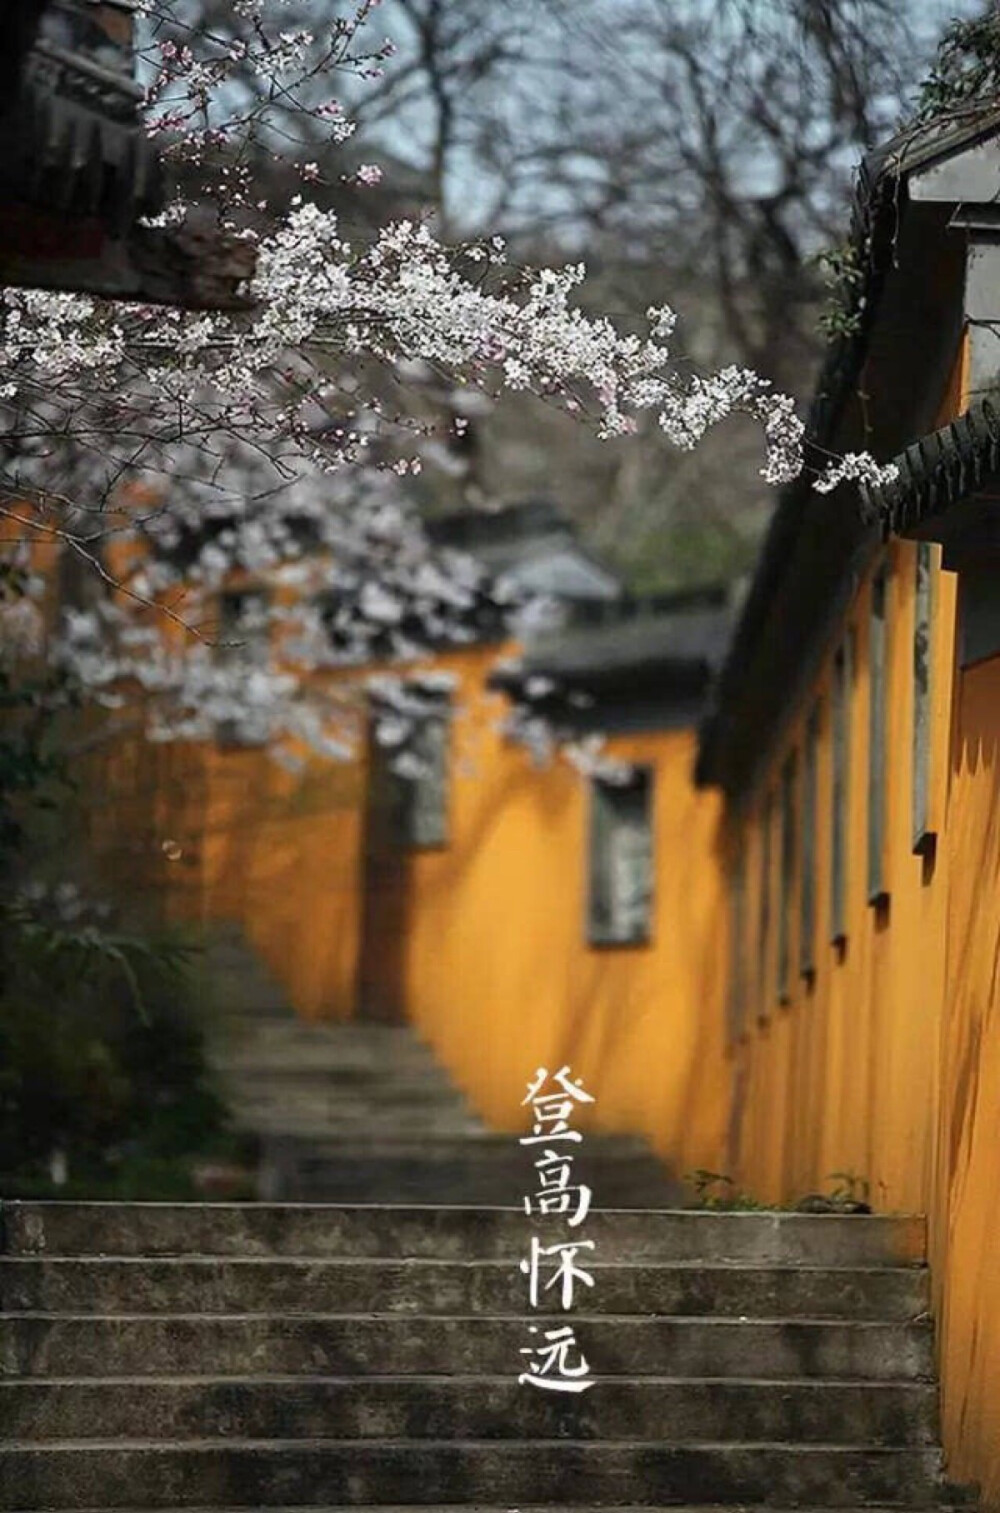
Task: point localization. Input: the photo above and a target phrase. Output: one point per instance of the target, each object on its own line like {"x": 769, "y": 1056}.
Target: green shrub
{"x": 102, "y": 1059}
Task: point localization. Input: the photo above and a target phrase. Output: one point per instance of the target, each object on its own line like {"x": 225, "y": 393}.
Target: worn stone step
{"x": 324, "y": 1123}
{"x": 272, "y": 1474}
{"x": 328, "y": 1092}
{"x": 370, "y": 1171}
{"x": 286, "y": 1033}
{"x": 470, "y": 1407}
{"x": 442, "y": 1233}
{"x": 353, "y": 1116}
{"x": 357, "y": 1114}
{"x": 612, "y": 1151}
{"x": 622, "y": 1345}
{"x": 141, "y": 1285}
{"x": 348, "y": 1032}
{"x": 945, "y": 1506}
{"x": 242, "y": 1006}
{"x": 491, "y": 1170}
{"x": 322, "y": 1059}
{"x": 262, "y": 1012}
{"x": 373, "y": 1183}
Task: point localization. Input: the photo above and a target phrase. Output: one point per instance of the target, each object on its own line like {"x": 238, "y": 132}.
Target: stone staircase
{"x": 290, "y": 1356}
{"x": 362, "y": 1112}
{"x": 363, "y": 1351}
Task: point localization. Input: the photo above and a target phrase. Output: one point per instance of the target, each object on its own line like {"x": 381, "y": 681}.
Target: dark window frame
{"x": 810, "y": 812}
{"x": 764, "y": 903}
{"x": 879, "y": 679}
{"x": 416, "y": 832}
{"x": 841, "y": 735}
{"x": 788, "y": 839}
{"x": 921, "y": 814}
{"x": 736, "y": 999}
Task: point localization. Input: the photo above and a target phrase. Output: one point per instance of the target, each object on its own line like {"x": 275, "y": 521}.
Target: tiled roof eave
{"x": 938, "y": 473}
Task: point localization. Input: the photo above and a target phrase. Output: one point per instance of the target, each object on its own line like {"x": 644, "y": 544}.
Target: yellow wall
{"x": 842, "y": 1077}
{"x": 495, "y": 968}
{"x": 966, "y": 1231}
{"x": 883, "y": 1062}
{"x": 200, "y": 834}
{"x": 888, "y": 1063}
{"x": 481, "y": 943}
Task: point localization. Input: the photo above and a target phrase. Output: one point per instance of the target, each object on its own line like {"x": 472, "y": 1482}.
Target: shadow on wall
{"x": 965, "y": 1234}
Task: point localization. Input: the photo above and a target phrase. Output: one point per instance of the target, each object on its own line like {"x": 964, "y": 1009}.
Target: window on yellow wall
{"x": 878, "y": 710}
{"x": 922, "y": 641}
{"x": 620, "y": 893}
{"x": 840, "y": 788}
{"x": 807, "y": 886}
{"x": 764, "y": 919}
{"x": 420, "y": 771}
{"x": 787, "y": 877}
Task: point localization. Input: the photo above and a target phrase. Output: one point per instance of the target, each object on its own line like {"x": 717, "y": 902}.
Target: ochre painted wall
{"x": 966, "y": 1231}
{"x": 884, "y": 1061}
{"x": 481, "y": 943}
{"x": 281, "y": 856}
{"x": 201, "y": 834}
{"x": 887, "y": 1062}
{"x": 495, "y": 968}
{"x": 841, "y": 1077}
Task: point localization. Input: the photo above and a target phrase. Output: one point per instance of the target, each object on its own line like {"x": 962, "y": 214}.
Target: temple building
{"x": 854, "y": 740}
{"x": 753, "y": 894}
{"x": 80, "y": 179}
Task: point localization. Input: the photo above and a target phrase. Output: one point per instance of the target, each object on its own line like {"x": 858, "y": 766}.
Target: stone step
{"x": 39, "y": 1345}
{"x": 475, "y": 1407}
{"x": 336, "y": 1117}
{"x": 378, "y": 1044}
{"x": 375, "y": 1184}
{"x": 239, "y": 1006}
{"x": 362, "y": 1033}
{"x": 616, "y": 1152}
{"x": 443, "y": 1233}
{"x": 951, "y": 1500}
{"x": 326, "y": 1061}
{"x": 490, "y": 1170}
{"x": 273, "y": 1474}
{"x": 468, "y": 1171}
{"x": 329, "y": 1091}
{"x": 140, "y": 1285}
{"x": 238, "y": 998}
{"x": 284, "y": 1030}
{"x": 292, "y": 1120}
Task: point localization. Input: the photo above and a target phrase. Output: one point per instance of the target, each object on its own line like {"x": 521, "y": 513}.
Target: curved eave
{"x": 881, "y": 205}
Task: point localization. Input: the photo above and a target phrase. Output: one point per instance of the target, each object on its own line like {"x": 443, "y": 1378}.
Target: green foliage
{"x": 51, "y": 952}
{"x": 966, "y": 69}
{"x": 101, "y": 1058}
{"x": 843, "y": 273}
{"x": 101, "y": 1053}
{"x": 717, "y": 1191}
{"x": 849, "y": 1187}
{"x": 30, "y": 770}
{"x": 714, "y": 1190}
{"x": 965, "y": 77}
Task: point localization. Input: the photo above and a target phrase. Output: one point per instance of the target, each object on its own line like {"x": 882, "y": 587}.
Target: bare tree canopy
{"x": 704, "y": 148}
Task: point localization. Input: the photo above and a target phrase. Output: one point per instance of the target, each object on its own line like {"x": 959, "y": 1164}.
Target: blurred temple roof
{"x": 529, "y": 547}
{"x": 638, "y": 663}
{"x": 916, "y": 197}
